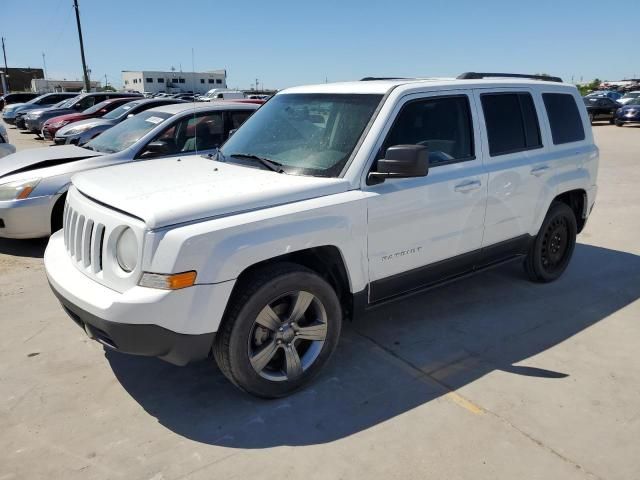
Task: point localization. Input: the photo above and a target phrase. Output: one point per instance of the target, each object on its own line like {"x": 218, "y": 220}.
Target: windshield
{"x": 121, "y": 110}
{"x": 65, "y": 103}
{"x": 97, "y": 107}
{"x": 127, "y": 133}
{"x": 309, "y": 134}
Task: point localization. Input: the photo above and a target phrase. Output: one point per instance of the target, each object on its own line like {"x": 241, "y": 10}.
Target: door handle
{"x": 539, "y": 170}
{"x": 468, "y": 186}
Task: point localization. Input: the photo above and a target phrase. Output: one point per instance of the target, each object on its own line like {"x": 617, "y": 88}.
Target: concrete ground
{"x": 490, "y": 378}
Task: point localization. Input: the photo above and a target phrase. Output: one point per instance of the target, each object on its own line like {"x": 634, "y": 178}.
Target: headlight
{"x": 77, "y": 130}
{"x": 17, "y": 190}
{"x": 59, "y": 124}
{"x": 127, "y": 250}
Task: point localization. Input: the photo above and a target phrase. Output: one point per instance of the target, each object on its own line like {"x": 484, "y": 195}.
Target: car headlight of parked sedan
{"x": 17, "y": 190}
{"x": 79, "y": 129}
{"x": 59, "y": 124}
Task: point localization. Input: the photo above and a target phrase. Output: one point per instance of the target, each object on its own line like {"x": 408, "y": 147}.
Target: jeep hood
{"x": 34, "y": 158}
{"x": 165, "y": 192}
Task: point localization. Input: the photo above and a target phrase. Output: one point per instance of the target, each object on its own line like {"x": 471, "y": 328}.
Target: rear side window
{"x": 564, "y": 118}
{"x": 512, "y": 122}
{"x": 442, "y": 124}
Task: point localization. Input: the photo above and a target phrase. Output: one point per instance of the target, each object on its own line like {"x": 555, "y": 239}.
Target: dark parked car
{"x": 54, "y": 124}
{"x": 629, "y": 113}
{"x": 21, "y": 97}
{"x": 601, "y": 108}
{"x": 20, "y": 116}
{"x": 81, "y": 132}
{"x": 34, "y": 120}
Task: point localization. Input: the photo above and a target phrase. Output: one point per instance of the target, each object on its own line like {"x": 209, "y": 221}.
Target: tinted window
{"x": 443, "y": 125}
{"x": 238, "y": 118}
{"x": 512, "y": 123}
{"x": 161, "y": 80}
{"x": 149, "y": 80}
{"x": 211, "y": 80}
{"x": 564, "y": 118}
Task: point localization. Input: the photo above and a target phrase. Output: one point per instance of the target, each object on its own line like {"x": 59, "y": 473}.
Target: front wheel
{"x": 553, "y": 247}
{"x": 618, "y": 123}
{"x": 279, "y": 331}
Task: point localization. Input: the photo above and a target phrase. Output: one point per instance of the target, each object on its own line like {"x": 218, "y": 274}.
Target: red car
{"x": 54, "y": 124}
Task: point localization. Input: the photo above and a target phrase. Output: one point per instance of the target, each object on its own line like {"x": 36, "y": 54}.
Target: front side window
{"x": 193, "y": 133}
{"x": 564, "y": 118}
{"x": 127, "y": 133}
{"x": 511, "y": 121}
{"x": 309, "y": 134}
{"x": 442, "y": 124}
{"x": 85, "y": 103}
{"x": 121, "y": 111}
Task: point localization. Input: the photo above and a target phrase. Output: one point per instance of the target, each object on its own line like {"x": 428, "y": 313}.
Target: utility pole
{"x": 87, "y": 85}
{"x": 44, "y": 62}
{"x": 5, "y": 84}
{"x": 105, "y": 80}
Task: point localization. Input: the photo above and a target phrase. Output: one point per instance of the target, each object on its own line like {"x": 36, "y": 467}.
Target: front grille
{"x": 83, "y": 239}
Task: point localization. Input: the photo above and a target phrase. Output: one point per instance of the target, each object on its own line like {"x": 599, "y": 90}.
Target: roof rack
{"x": 369, "y": 79}
{"x": 479, "y": 76}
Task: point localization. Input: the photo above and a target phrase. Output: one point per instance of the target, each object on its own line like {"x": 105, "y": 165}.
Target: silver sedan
{"x": 33, "y": 183}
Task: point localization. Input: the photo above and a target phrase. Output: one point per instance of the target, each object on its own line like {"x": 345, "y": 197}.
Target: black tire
{"x": 553, "y": 247}
{"x": 57, "y": 213}
{"x": 592, "y": 117}
{"x": 611, "y": 121}
{"x": 241, "y": 338}
{"x": 618, "y": 123}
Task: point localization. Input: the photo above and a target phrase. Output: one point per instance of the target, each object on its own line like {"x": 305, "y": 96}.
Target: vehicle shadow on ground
{"x": 396, "y": 358}
{"x": 23, "y": 248}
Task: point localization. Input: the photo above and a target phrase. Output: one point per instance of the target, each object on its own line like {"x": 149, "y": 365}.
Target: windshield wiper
{"x": 270, "y": 164}
{"x": 88, "y": 148}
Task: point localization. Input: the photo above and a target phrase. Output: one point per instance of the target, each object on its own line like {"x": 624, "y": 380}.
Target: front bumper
{"x": 67, "y": 139}
{"x": 20, "y": 122}
{"x": 33, "y": 125}
{"x": 178, "y": 326}
{"x": 9, "y": 120}
{"x": 28, "y": 218}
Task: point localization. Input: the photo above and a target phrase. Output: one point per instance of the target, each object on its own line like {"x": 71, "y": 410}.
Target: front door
{"x": 423, "y": 229}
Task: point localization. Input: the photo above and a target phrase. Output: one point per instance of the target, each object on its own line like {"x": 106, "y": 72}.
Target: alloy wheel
{"x": 287, "y": 336}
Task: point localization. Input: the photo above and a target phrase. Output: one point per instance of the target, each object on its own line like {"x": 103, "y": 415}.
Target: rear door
{"x": 518, "y": 163}
{"x": 424, "y": 229}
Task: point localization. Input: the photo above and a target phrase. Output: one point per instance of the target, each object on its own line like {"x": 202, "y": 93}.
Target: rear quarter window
{"x": 564, "y": 118}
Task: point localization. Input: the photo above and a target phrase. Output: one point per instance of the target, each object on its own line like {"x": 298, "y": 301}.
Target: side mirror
{"x": 232, "y": 131}
{"x": 401, "y": 161}
{"x": 157, "y": 147}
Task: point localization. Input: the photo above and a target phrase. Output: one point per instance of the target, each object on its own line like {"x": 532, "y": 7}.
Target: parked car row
{"x": 603, "y": 107}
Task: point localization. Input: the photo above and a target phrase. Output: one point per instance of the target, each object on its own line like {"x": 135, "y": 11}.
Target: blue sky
{"x": 285, "y": 43}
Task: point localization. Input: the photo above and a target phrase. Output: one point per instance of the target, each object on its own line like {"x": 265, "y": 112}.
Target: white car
{"x": 330, "y": 200}
{"x": 5, "y": 147}
{"x": 34, "y": 182}
{"x": 628, "y": 97}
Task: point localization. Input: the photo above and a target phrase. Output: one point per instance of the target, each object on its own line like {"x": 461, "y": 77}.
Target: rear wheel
{"x": 279, "y": 331}
{"x": 553, "y": 247}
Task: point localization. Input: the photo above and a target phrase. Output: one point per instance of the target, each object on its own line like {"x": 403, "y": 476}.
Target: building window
{"x": 218, "y": 81}
{"x": 161, "y": 80}
{"x": 211, "y": 80}
{"x": 149, "y": 80}
{"x": 202, "y": 80}
{"x": 135, "y": 80}
{"x": 181, "y": 80}
{"x": 126, "y": 82}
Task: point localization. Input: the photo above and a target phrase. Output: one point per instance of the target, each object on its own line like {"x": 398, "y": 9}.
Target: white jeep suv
{"x": 330, "y": 200}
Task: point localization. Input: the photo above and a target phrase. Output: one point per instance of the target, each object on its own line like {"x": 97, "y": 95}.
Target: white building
{"x": 173, "y": 82}
{"x": 41, "y": 85}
